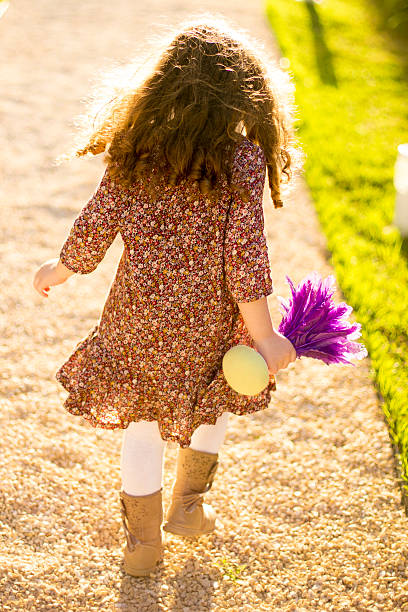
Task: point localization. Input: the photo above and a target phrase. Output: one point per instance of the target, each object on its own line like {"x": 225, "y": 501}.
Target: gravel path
{"x": 306, "y": 490}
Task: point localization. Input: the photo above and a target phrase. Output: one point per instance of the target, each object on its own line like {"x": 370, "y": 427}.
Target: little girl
{"x": 186, "y": 154}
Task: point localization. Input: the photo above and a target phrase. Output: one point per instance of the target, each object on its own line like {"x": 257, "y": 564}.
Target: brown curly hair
{"x": 206, "y": 91}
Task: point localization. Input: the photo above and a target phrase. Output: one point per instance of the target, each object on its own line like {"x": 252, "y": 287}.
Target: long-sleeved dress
{"x": 171, "y": 312}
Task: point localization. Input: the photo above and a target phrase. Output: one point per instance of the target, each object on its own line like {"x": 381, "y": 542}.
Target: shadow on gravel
{"x": 193, "y": 585}
{"x": 191, "y": 588}
{"x": 139, "y": 594}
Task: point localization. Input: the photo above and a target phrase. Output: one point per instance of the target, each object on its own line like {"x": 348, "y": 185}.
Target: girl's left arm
{"x": 90, "y": 236}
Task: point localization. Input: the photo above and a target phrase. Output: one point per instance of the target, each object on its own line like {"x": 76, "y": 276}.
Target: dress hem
{"x": 184, "y": 440}
{"x": 101, "y": 390}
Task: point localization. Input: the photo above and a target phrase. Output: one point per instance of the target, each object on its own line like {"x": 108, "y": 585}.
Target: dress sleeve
{"x": 246, "y": 260}
{"x": 93, "y": 230}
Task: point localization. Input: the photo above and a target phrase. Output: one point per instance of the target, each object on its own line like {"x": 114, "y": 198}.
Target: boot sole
{"x": 139, "y": 572}
{"x": 143, "y": 571}
{"x": 184, "y": 531}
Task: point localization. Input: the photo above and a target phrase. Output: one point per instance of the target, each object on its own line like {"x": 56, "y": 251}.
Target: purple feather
{"x": 316, "y": 326}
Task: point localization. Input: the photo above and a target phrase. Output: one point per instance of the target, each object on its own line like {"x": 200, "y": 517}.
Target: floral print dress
{"x": 171, "y": 312}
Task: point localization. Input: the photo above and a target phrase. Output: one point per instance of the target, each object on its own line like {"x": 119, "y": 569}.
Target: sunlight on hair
{"x": 122, "y": 96}
{"x": 4, "y": 4}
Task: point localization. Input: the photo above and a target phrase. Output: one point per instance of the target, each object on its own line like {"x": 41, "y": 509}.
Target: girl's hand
{"x": 277, "y": 351}
{"x": 52, "y": 272}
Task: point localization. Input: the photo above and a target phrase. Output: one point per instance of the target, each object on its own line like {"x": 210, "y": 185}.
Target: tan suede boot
{"x": 187, "y": 514}
{"x": 142, "y": 517}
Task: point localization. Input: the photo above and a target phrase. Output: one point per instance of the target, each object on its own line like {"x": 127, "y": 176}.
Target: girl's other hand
{"x": 277, "y": 351}
{"x": 52, "y": 272}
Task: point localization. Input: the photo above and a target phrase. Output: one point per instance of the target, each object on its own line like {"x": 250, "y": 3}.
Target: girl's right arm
{"x": 277, "y": 350}
{"x": 52, "y": 272}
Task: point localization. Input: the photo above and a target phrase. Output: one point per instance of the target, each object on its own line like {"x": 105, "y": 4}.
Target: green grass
{"x": 394, "y": 15}
{"x": 230, "y": 569}
{"x": 352, "y": 92}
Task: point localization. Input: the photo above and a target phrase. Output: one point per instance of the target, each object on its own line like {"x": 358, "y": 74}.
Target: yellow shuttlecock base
{"x": 245, "y": 370}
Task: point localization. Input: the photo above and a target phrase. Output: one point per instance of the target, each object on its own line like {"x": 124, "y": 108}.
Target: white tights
{"x": 143, "y": 452}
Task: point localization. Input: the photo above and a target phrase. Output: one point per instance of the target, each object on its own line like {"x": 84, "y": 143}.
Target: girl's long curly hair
{"x": 207, "y": 90}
